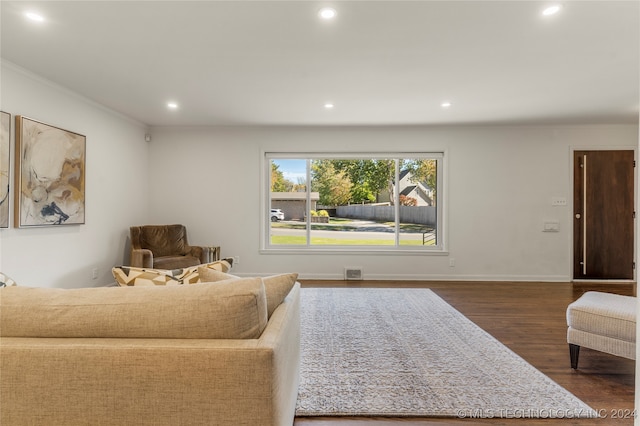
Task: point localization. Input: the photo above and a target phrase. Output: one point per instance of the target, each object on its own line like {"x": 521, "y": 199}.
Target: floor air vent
{"x": 352, "y": 273}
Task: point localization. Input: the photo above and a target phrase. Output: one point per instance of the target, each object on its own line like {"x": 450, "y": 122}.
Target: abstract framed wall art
{"x": 5, "y": 135}
{"x": 50, "y": 175}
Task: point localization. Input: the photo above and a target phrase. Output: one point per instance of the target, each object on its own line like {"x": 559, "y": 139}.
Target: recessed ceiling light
{"x": 172, "y": 105}
{"x": 328, "y": 105}
{"x": 445, "y": 104}
{"x": 34, "y": 16}
{"x": 552, "y": 10}
{"x": 327, "y": 13}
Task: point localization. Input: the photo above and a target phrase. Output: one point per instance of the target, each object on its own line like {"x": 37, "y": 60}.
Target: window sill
{"x": 355, "y": 251}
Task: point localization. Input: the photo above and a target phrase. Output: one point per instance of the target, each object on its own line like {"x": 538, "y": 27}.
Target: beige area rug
{"x": 406, "y": 352}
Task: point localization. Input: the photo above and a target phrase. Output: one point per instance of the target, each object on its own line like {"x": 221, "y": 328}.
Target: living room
{"x": 500, "y": 178}
{"x": 202, "y": 164}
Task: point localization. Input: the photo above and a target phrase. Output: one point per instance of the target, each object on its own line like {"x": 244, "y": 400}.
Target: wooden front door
{"x": 603, "y": 215}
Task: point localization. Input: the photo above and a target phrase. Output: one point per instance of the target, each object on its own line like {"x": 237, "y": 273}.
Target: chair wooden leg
{"x": 574, "y": 352}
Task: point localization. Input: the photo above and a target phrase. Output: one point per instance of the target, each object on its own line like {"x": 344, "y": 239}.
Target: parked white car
{"x": 276, "y": 215}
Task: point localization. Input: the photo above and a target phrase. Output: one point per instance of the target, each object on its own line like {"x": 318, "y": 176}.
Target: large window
{"x": 354, "y": 202}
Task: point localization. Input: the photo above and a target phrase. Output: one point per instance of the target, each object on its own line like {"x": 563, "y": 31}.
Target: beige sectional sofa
{"x": 200, "y": 354}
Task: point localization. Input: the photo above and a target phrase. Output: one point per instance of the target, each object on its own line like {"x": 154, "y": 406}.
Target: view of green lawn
{"x": 343, "y": 226}
{"x": 302, "y": 240}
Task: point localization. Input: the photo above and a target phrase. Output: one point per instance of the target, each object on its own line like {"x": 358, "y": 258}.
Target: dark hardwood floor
{"x": 529, "y": 318}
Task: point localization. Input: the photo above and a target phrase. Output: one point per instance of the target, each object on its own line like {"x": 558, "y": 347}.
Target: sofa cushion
{"x": 234, "y": 310}
{"x": 276, "y": 286}
{"x": 134, "y": 276}
{"x": 192, "y": 275}
{"x": 208, "y": 275}
{"x": 604, "y": 314}
{"x": 6, "y": 281}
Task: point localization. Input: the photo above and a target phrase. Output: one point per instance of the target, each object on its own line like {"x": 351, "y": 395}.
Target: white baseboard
{"x": 426, "y": 277}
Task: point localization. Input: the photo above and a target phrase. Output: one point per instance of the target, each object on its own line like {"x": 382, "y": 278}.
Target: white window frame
{"x": 441, "y": 248}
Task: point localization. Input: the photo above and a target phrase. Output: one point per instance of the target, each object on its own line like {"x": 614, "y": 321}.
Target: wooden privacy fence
{"x": 424, "y": 215}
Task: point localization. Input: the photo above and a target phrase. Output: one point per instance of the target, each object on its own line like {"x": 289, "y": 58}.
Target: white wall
{"x": 116, "y": 188}
{"x": 500, "y": 184}
{"x": 501, "y": 181}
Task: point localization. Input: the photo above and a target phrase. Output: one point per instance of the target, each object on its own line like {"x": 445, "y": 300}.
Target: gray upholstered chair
{"x": 166, "y": 247}
{"x": 604, "y": 322}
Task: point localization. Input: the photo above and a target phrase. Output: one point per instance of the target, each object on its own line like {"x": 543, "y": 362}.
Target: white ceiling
{"x": 379, "y": 62}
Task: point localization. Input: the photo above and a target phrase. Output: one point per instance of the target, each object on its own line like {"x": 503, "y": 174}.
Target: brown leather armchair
{"x": 166, "y": 247}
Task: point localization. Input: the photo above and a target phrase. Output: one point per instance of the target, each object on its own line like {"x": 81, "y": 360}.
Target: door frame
{"x": 572, "y": 149}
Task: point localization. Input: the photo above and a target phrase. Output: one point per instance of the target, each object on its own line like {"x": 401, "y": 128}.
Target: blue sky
{"x": 292, "y": 169}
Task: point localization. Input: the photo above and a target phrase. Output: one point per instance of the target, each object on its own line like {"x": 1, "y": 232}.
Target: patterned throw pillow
{"x": 6, "y": 281}
{"x": 191, "y": 275}
{"x": 131, "y": 275}
{"x": 134, "y": 276}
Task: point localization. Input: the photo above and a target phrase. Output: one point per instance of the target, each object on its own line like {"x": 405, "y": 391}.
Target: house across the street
{"x": 293, "y": 204}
